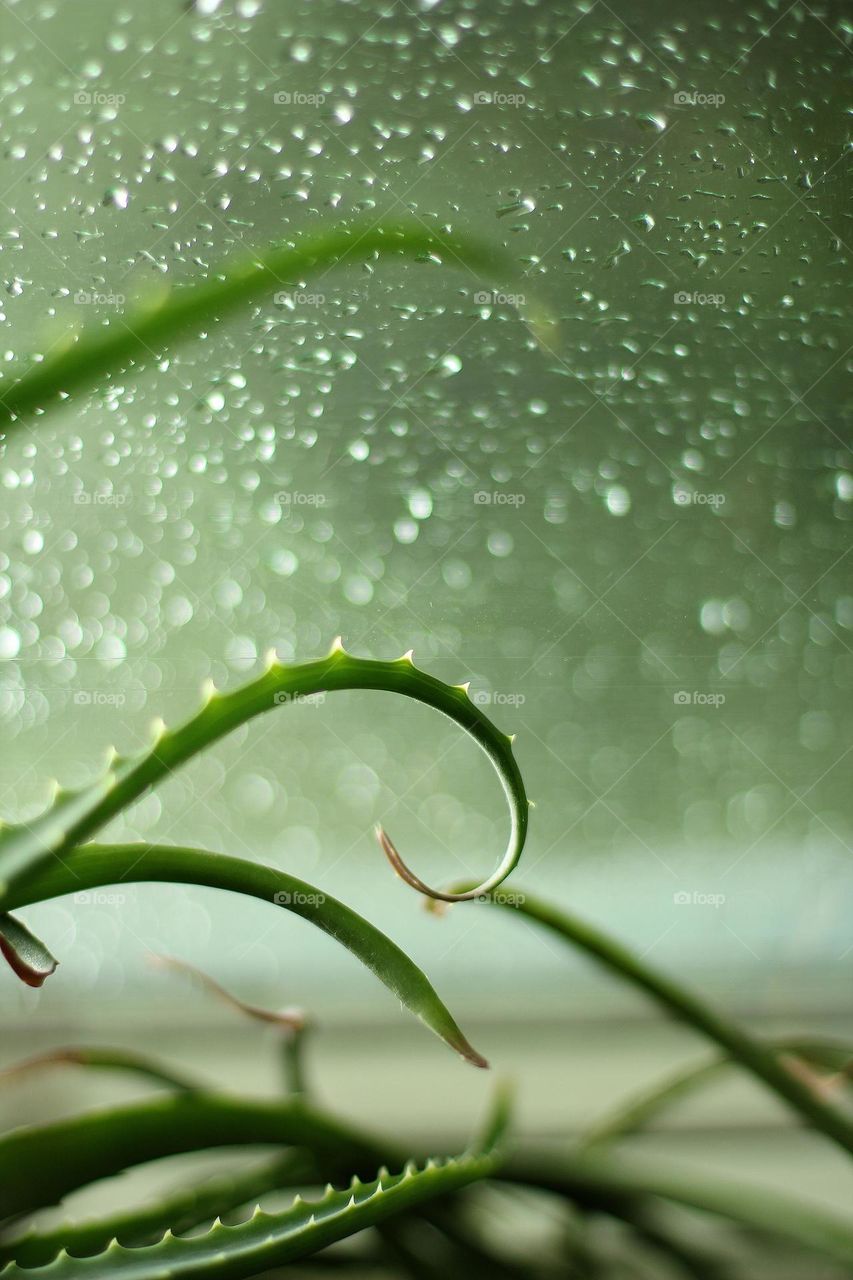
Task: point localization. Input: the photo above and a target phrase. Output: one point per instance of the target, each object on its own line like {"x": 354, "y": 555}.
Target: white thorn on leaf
{"x": 408, "y": 656}
{"x": 464, "y": 687}
{"x": 158, "y": 728}
{"x": 208, "y": 689}
{"x": 337, "y": 645}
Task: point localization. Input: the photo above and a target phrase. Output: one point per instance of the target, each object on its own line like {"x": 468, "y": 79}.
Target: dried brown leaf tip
{"x": 437, "y": 899}
{"x": 290, "y": 1020}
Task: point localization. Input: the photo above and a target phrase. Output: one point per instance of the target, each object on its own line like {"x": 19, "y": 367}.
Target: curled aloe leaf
{"x": 76, "y": 815}
{"x": 145, "y": 332}
{"x": 26, "y": 954}
{"x": 102, "y": 1059}
{"x": 89, "y": 866}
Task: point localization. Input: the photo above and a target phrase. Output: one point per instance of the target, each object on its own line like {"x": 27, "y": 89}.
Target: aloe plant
{"x": 384, "y": 1213}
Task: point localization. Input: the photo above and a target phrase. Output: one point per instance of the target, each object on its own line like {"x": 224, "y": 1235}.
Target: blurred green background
{"x": 631, "y": 531}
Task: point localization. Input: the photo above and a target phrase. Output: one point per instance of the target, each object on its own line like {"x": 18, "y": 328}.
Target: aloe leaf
{"x": 683, "y": 1004}
{"x": 180, "y": 1211}
{"x": 145, "y": 332}
{"x": 41, "y": 1164}
{"x": 291, "y": 1024}
{"x": 91, "y": 865}
{"x": 231, "y": 1253}
{"x": 75, "y": 816}
{"x": 268, "y": 1240}
{"x": 102, "y": 1059}
{"x": 641, "y": 1110}
{"x": 26, "y": 954}
{"x": 600, "y": 1179}
{"x": 288, "y": 1021}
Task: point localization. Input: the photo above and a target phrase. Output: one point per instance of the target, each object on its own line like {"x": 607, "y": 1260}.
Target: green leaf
{"x": 599, "y": 1180}
{"x": 26, "y": 954}
{"x": 75, "y": 816}
{"x": 640, "y": 1111}
{"x": 179, "y": 1211}
{"x": 91, "y": 865}
{"x": 102, "y": 1059}
{"x": 145, "y": 332}
{"x": 270, "y": 1240}
{"x": 689, "y": 1008}
{"x": 40, "y": 1165}
{"x": 267, "y": 1240}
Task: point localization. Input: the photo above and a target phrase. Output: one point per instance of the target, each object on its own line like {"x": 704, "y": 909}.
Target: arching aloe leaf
{"x": 103, "y": 1059}
{"x": 230, "y": 1253}
{"x": 41, "y": 1165}
{"x": 597, "y": 1180}
{"x": 26, "y": 953}
{"x": 91, "y": 865}
{"x": 185, "y": 1209}
{"x": 683, "y": 1004}
{"x": 75, "y": 816}
{"x": 178, "y": 1212}
{"x": 640, "y": 1111}
{"x": 145, "y": 332}
{"x": 268, "y": 1240}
